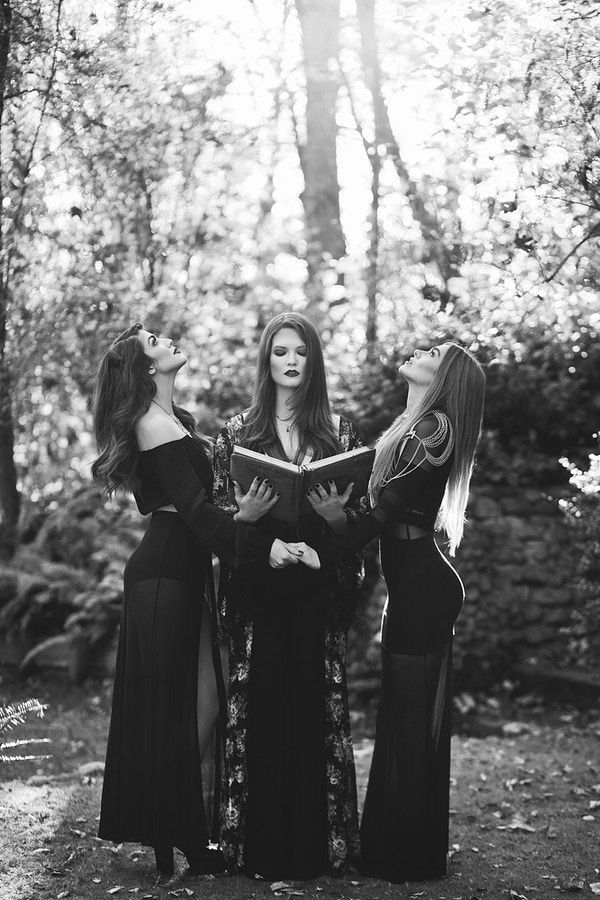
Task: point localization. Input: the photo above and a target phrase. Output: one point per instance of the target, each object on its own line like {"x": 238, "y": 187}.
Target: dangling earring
{"x": 152, "y": 371}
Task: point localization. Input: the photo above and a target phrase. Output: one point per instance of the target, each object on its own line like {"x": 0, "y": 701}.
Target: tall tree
{"x": 436, "y": 247}
{"x": 320, "y": 25}
{"x": 9, "y": 496}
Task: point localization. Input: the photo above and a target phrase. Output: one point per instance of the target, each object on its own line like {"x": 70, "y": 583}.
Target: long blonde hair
{"x": 457, "y": 389}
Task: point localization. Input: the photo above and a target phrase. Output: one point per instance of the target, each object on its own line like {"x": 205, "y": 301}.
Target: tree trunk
{"x": 320, "y": 24}
{"x": 373, "y": 256}
{"x": 9, "y": 495}
{"x": 432, "y": 230}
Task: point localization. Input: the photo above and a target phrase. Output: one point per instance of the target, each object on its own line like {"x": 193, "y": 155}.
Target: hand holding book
{"x": 329, "y": 504}
{"x": 297, "y": 483}
{"x": 256, "y": 502}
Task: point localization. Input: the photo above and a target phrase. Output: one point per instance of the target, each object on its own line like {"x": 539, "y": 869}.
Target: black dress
{"x": 290, "y": 795}
{"x": 152, "y": 789}
{"x": 404, "y": 827}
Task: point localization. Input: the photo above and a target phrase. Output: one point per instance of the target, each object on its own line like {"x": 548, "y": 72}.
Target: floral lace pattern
{"x": 342, "y": 582}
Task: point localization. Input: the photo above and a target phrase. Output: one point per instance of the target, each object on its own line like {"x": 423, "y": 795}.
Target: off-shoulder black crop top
{"x": 414, "y": 491}
{"x": 179, "y": 473}
{"x": 151, "y": 494}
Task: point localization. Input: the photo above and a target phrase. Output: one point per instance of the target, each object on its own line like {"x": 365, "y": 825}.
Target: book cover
{"x": 292, "y": 481}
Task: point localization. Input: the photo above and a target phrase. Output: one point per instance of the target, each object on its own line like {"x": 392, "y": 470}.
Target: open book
{"x": 293, "y": 481}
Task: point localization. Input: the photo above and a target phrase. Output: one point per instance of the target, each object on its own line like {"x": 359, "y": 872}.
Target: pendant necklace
{"x": 172, "y": 416}
{"x": 289, "y": 418}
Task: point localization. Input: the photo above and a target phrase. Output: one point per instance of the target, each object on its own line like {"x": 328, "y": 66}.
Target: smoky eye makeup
{"x": 281, "y": 351}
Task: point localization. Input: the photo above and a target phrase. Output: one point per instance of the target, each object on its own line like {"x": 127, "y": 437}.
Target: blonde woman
{"x": 421, "y": 477}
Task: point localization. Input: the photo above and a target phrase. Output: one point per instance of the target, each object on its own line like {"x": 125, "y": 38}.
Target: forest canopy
{"x": 402, "y": 172}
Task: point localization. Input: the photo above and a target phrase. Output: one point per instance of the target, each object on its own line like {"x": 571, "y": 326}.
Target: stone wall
{"x": 517, "y": 564}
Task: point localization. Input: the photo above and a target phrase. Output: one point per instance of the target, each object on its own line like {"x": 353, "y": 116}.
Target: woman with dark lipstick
{"x": 290, "y": 797}
{"x": 152, "y": 783}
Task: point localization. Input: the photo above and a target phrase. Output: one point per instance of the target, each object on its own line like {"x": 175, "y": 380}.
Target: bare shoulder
{"x": 154, "y": 429}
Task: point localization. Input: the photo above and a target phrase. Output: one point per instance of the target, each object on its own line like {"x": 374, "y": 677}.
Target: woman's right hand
{"x": 282, "y": 555}
{"x": 309, "y": 556}
{"x": 256, "y": 503}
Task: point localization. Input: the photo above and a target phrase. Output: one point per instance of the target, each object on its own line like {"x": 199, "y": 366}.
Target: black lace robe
{"x": 340, "y": 583}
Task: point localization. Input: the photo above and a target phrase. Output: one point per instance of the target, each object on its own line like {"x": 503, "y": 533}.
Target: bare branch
{"x": 46, "y": 100}
{"x": 593, "y": 232}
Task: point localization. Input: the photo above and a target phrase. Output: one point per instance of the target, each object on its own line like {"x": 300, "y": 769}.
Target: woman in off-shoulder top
{"x": 168, "y": 676}
{"x": 421, "y": 477}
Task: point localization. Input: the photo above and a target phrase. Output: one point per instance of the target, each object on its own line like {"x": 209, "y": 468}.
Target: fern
{"x": 15, "y": 714}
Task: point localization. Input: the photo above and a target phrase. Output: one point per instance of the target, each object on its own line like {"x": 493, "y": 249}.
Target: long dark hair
{"x": 123, "y": 392}
{"x": 458, "y": 389}
{"x": 310, "y": 401}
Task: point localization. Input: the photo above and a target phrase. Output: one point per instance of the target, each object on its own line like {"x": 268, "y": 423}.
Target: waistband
{"x": 406, "y": 531}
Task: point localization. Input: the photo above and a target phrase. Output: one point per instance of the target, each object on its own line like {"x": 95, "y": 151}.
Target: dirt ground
{"x": 525, "y": 799}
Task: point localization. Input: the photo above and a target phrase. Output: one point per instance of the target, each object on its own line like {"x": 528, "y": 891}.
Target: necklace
{"x": 289, "y": 418}
{"x": 172, "y": 416}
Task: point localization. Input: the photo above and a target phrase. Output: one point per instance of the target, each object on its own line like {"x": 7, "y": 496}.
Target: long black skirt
{"x": 286, "y": 825}
{"x": 404, "y": 829}
{"x": 152, "y": 782}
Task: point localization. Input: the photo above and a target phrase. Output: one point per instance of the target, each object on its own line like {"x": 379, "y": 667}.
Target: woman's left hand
{"x": 329, "y": 504}
{"x": 309, "y": 556}
{"x": 253, "y": 505}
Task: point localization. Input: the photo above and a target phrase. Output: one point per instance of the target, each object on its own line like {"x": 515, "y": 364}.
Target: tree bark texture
{"x": 9, "y": 495}
{"x": 320, "y": 24}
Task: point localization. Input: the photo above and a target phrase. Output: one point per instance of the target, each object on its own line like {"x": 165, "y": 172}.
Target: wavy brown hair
{"x": 310, "y": 401}
{"x": 124, "y": 390}
{"x": 457, "y": 389}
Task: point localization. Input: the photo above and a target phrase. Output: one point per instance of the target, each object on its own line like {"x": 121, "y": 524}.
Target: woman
{"x": 152, "y": 783}
{"x": 421, "y": 474}
{"x": 290, "y": 804}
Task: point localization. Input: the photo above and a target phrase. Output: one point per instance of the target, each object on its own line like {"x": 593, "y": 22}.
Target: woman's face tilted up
{"x": 288, "y": 358}
{"x": 422, "y": 366}
{"x": 164, "y": 356}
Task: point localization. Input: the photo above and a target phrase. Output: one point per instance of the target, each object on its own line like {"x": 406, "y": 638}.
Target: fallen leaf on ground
{"x": 515, "y": 728}
{"x": 515, "y": 896}
{"x": 517, "y": 825}
{"x": 595, "y": 887}
{"x": 115, "y": 889}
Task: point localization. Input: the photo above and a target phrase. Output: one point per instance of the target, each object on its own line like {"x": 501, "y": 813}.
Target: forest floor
{"x": 525, "y": 800}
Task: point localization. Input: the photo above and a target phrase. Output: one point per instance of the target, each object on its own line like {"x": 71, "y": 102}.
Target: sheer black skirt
{"x": 152, "y": 783}
{"x": 404, "y": 829}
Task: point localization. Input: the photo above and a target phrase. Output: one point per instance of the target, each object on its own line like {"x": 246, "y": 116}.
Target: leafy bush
{"x": 581, "y": 645}
{"x": 542, "y": 400}
{"x": 69, "y": 577}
